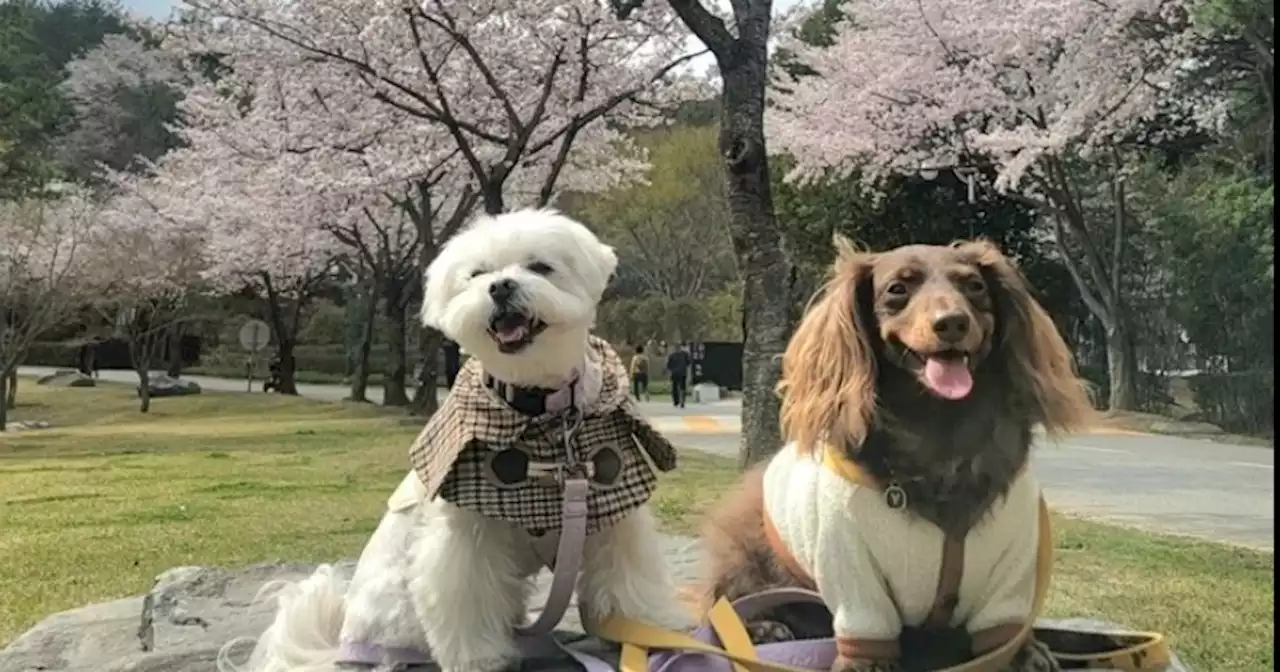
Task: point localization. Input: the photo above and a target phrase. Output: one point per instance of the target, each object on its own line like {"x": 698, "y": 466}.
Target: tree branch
{"x": 707, "y": 27}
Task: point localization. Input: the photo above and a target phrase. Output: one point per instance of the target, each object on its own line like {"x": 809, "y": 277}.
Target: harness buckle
{"x": 576, "y": 471}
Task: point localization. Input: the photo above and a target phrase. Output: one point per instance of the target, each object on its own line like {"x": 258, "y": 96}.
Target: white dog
{"x": 519, "y": 293}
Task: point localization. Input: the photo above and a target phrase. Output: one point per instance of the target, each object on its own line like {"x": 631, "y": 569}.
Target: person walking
{"x": 678, "y": 369}
{"x": 640, "y": 374}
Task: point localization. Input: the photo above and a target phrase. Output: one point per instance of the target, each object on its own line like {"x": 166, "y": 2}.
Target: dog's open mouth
{"x": 945, "y": 373}
{"x": 514, "y": 331}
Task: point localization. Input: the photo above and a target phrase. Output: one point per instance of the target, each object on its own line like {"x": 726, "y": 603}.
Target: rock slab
{"x": 192, "y": 612}
{"x": 67, "y": 378}
{"x": 179, "y": 626}
{"x": 165, "y": 386}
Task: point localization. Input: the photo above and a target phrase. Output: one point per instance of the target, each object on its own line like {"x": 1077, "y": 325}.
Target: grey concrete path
{"x": 1216, "y": 491}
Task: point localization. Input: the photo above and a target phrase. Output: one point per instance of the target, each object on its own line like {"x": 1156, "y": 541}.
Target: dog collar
{"x": 537, "y": 400}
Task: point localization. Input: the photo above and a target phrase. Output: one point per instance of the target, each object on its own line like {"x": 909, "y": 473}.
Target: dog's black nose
{"x": 502, "y": 290}
{"x": 951, "y": 327}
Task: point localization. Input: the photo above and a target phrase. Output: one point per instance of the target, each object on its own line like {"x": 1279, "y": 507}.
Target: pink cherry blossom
{"x": 47, "y": 265}
{"x": 527, "y": 93}
{"x": 945, "y": 82}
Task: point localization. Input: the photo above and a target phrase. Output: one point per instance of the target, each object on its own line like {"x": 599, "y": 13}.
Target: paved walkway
{"x": 1216, "y": 491}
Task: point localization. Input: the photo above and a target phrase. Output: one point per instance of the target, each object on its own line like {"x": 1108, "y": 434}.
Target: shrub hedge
{"x": 1240, "y": 403}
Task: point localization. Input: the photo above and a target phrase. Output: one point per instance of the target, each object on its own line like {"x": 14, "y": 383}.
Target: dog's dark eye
{"x": 477, "y": 273}
{"x": 540, "y": 267}
{"x": 975, "y": 286}
{"x": 896, "y": 289}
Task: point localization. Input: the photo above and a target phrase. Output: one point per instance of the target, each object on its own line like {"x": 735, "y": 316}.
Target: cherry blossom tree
{"x": 124, "y": 95}
{"x": 375, "y": 167}
{"x": 740, "y": 44}
{"x": 47, "y": 272}
{"x": 258, "y": 227}
{"x": 517, "y": 87}
{"x": 397, "y": 184}
{"x": 1024, "y": 93}
{"x": 157, "y": 266}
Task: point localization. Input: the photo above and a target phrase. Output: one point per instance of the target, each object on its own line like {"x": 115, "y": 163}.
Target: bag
{"x": 723, "y": 645}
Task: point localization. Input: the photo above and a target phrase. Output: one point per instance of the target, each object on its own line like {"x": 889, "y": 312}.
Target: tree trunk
{"x": 173, "y": 348}
{"x": 288, "y": 367}
{"x": 10, "y": 397}
{"x": 426, "y": 397}
{"x": 491, "y": 196}
{"x": 1122, "y": 368}
{"x": 393, "y": 382}
{"x": 144, "y": 386}
{"x": 285, "y": 340}
{"x": 760, "y": 250}
{"x": 364, "y": 345}
{"x": 7, "y": 383}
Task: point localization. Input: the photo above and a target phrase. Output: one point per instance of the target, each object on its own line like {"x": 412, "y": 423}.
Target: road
{"x": 1215, "y": 491}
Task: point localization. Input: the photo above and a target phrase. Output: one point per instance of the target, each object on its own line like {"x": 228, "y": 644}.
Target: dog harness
{"x": 542, "y": 460}
{"x": 506, "y": 452}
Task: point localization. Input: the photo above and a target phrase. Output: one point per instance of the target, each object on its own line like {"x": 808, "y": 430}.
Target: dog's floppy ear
{"x": 1037, "y": 357}
{"x": 435, "y": 290}
{"x": 606, "y": 267}
{"x": 829, "y": 367}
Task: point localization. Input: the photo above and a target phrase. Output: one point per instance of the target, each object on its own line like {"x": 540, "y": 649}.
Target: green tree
{"x": 1236, "y": 71}
{"x": 124, "y": 97}
{"x": 30, "y": 109}
{"x": 912, "y": 209}
{"x": 672, "y": 234}
{"x": 37, "y": 40}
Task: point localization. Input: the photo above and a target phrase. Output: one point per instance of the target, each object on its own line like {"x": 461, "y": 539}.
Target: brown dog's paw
{"x": 843, "y": 664}
{"x": 769, "y": 632}
{"x": 1034, "y": 656}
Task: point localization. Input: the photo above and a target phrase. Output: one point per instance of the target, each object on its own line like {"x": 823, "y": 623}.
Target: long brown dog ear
{"x": 1039, "y": 361}
{"x": 829, "y": 367}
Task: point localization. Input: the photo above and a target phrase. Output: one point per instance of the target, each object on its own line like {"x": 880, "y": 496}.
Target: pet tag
{"x": 895, "y": 496}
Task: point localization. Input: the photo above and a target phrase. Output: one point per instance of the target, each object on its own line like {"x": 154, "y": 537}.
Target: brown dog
{"x": 925, "y": 368}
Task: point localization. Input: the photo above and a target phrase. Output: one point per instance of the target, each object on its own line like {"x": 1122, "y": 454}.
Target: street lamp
{"x": 970, "y": 176}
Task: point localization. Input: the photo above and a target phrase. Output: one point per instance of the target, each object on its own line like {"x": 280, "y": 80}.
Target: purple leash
{"x": 536, "y": 639}
{"x": 806, "y": 654}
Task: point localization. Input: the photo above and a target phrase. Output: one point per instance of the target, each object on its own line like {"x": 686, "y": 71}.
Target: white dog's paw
{"x": 469, "y": 588}
{"x": 662, "y": 611}
{"x": 626, "y": 574}
{"x": 474, "y": 655}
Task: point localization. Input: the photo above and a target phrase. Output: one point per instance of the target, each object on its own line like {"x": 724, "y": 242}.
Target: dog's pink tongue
{"x": 512, "y": 334}
{"x": 948, "y": 378}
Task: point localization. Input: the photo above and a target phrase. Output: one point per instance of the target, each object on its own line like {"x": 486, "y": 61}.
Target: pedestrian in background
{"x": 640, "y": 374}
{"x": 678, "y": 368}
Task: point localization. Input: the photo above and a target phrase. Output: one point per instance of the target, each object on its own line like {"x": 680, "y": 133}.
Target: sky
{"x": 160, "y": 9}
{"x": 156, "y": 9}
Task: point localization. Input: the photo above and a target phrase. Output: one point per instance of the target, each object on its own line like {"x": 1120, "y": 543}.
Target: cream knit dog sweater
{"x": 877, "y": 568}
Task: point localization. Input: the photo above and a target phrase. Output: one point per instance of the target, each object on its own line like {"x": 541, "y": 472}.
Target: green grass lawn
{"x": 95, "y": 507}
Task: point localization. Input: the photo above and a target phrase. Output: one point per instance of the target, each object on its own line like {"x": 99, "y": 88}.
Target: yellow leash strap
{"x": 638, "y": 639}
{"x": 1148, "y": 651}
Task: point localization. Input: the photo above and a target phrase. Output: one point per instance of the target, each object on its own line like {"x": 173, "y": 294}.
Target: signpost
{"x": 255, "y": 336}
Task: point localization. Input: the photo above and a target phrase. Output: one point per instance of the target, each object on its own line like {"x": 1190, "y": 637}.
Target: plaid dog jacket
{"x": 478, "y": 453}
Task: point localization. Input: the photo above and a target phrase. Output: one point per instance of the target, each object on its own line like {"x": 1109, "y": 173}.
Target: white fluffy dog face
{"x": 519, "y": 291}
